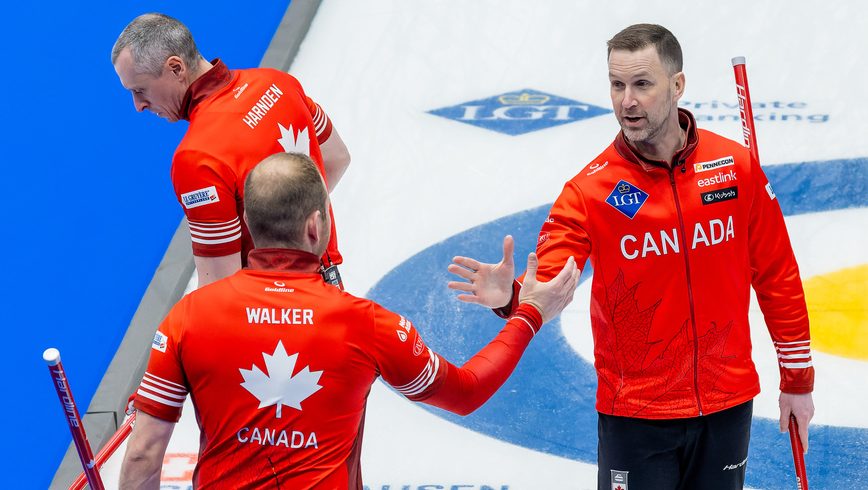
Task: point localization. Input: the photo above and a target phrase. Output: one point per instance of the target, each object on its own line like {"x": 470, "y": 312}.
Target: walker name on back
{"x": 279, "y": 316}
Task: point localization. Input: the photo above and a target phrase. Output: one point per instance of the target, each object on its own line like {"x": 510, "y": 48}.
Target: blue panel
{"x": 89, "y": 202}
{"x": 810, "y": 187}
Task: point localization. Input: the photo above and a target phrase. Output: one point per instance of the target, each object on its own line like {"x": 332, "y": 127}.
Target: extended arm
{"x": 562, "y": 236}
{"x": 145, "y": 450}
{"x": 465, "y": 389}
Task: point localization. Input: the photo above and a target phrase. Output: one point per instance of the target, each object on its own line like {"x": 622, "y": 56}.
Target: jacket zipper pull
{"x": 683, "y": 166}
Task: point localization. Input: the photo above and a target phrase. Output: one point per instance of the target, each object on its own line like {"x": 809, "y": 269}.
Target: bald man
{"x": 280, "y": 364}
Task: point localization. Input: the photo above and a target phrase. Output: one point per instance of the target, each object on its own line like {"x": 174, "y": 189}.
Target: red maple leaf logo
{"x": 627, "y": 338}
{"x": 712, "y": 363}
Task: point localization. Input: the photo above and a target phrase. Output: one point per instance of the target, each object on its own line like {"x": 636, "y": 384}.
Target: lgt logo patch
{"x": 627, "y": 198}
{"x": 520, "y": 112}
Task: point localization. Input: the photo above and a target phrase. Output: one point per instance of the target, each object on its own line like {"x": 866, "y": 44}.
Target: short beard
{"x": 645, "y": 135}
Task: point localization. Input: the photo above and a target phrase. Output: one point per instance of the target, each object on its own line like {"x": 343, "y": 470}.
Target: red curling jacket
{"x": 675, "y": 252}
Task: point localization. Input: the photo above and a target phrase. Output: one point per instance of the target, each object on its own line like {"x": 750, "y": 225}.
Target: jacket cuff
{"x": 506, "y": 311}
{"x": 530, "y": 315}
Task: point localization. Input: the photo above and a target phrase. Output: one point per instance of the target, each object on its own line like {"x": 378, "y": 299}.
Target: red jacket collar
{"x": 685, "y": 119}
{"x": 282, "y": 259}
{"x": 202, "y": 88}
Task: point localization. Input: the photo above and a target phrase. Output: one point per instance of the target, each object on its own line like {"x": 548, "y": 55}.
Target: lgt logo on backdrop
{"x": 520, "y": 112}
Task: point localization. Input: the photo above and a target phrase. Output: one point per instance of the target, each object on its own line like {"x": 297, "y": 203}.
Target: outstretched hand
{"x": 486, "y": 284}
{"x": 551, "y": 297}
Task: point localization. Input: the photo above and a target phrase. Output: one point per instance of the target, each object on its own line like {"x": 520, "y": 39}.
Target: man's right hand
{"x": 550, "y": 298}
{"x": 487, "y": 284}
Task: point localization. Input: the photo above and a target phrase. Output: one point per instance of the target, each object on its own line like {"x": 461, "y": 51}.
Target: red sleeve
{"x": 778, "y": 286}
{"x": 563, "y": 235}
{"x": 321, "y": 122}
{"x": 464, "y": 389}
{"x": 403, "y": 359}
{"x": 207, "y": 192}
{"x": 164, "y": 387}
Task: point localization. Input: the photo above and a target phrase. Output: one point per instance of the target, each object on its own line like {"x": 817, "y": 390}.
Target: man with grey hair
{"x": 237, "y": 118}
{"x": 299, "y": 422}
{"x": 678, "y": 223}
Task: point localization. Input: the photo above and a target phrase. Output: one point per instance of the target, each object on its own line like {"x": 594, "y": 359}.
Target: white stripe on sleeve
{"x": 159, "y": 399}
{"x": 796, "y": 365}
{"x": 424, "y": 379}
{"x": 797, "y": 350}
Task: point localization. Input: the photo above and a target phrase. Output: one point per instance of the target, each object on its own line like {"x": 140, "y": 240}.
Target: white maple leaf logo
{"x": 278, "y": 386}
{"x": 292, "y": 143}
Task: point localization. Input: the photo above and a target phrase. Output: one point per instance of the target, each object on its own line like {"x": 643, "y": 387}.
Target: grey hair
{"x": 152, "y": 39}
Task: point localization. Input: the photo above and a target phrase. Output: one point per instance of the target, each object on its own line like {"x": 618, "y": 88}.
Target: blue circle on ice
{"x": 548, "y": 403}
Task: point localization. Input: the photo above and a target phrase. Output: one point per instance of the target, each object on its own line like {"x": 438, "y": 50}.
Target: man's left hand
{"x": 800, "y": 405}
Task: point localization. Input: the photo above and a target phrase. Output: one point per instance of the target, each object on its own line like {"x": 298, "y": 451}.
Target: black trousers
{"x": 708, "y": 452}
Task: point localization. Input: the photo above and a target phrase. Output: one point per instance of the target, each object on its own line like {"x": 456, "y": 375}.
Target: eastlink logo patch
{"x": 627, "y": 198}
{"x": 200, "y": 197}
{"x": 706, "y": 166}
{"x": 520, "y": 112}
{"x": 720, "y": 178}
{"x": 719, "y": 195}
